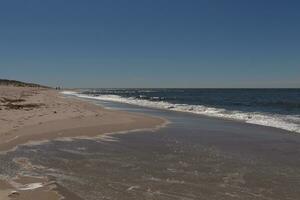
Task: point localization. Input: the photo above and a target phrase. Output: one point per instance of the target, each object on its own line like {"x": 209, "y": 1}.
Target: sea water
{"x": 278, "y": 108}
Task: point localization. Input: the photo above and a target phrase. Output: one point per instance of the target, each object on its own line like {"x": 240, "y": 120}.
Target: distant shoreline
{"x": 6, "y": 82}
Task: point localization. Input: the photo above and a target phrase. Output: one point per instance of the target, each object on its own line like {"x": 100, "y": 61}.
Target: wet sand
{"x": 30, "y": 115}
{"x": 193, "y": 158}
{"x": 17, "y": 189}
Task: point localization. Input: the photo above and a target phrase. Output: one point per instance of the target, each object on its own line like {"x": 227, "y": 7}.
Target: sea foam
{"x": 286, "y": 122}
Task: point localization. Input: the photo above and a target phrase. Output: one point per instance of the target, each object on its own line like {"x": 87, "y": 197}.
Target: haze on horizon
{"x": 143, "y": 43}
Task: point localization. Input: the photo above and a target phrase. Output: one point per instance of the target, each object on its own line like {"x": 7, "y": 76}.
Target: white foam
{"x": 286, "y": 122}
{"x": 69, "y": 92}
{"x": 31, "y": 186}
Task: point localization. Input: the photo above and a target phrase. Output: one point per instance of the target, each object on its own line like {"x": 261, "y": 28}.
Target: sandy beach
{"x": 29, "y": 115}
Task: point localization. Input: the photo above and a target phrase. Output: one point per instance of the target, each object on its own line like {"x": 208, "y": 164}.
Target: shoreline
{"x": 251, "y": 117}
{"x": 225, "y": 152}
{"x": 33, "y": 115}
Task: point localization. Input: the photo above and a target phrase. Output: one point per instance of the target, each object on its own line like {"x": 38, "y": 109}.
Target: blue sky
{"x": 151, "y": 43}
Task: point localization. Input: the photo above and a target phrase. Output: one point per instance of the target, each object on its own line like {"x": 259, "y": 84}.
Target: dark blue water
{"x": 278, "y": 108}
{"x": 279, "y": 101}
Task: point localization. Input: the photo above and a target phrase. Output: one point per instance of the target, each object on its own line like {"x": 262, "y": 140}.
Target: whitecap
{"x": 286, "y": 122}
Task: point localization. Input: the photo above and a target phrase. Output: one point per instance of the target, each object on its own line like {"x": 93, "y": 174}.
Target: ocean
{"x": 279, "y": 108}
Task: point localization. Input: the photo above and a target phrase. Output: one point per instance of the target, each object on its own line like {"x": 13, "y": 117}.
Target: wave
{"x": 286, "y": 122}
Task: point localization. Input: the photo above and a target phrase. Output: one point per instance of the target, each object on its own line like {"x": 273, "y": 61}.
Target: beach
{"x": 149, "y": 100}
{"x": 170, "y": 156}
{"x": 31, "y": 115}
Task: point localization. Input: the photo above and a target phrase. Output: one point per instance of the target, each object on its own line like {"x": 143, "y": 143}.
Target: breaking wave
{"x": 286, "y": 122}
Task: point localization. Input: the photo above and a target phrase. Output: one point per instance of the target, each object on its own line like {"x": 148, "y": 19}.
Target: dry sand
{"x": 36, "y": 114}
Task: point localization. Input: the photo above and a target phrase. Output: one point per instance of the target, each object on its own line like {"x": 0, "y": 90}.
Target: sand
{"x": 29, "y": 115}
{"x": 28, "y": 188}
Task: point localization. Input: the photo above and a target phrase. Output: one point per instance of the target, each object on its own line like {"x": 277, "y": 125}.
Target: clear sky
{"x": 151, "y": 43}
